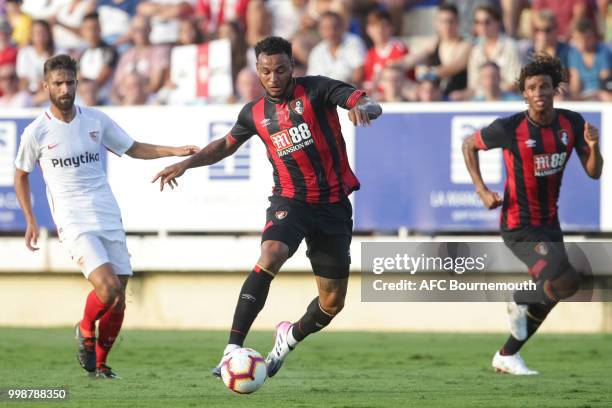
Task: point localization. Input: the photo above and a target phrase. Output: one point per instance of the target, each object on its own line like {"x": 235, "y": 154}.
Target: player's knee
{"x": 332, "y": 303}
{"x": 110, "y": 292}
{"x": 273, "y": 255}
{"x": 567, "y": 284}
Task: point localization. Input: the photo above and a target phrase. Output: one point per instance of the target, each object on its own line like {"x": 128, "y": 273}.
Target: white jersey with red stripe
{"x": 78, "y": 192}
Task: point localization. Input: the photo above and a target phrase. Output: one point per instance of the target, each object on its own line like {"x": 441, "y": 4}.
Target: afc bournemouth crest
{"x": 297, "y": 106}
{"x": 541, "y": 249}
{"x": 281, "y": 214}
{"x": 564, "y": 136}
{"x": 94, "y": 135}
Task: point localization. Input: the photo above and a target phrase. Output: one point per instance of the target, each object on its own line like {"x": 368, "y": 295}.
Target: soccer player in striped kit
{"x": 65, "y": 141}
{"x": 298, "y": 122}
{"x": 536, "y": 147}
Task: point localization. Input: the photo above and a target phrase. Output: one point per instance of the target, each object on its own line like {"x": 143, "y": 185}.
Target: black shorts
{"x": 327, "y": 228}
{"x": 541, "y": 248}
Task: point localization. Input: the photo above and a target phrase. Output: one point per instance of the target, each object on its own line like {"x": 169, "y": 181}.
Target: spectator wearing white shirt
{"x": 12, "y": 97}
{"x": 165, "y": 18}
{"x": 98, "y": 61}
{"x": 31, "y": 59}
{"x": 340, "y": 55}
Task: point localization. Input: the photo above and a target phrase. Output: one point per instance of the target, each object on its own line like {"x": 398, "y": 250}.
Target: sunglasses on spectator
{"x": 546, "y": 30}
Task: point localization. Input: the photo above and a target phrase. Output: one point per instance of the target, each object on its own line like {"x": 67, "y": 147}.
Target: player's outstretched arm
{"x": 148, "y": 151}
{"x": 592, "y": 161}
{"x": 215, "y": 151}
{"x": 22, "y": 189}
{"x": 489, "y": 198}
{"x": 364, "y": 111}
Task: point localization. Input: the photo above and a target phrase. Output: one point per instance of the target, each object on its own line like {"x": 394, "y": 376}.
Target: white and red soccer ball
{"x": 243, "y": 371}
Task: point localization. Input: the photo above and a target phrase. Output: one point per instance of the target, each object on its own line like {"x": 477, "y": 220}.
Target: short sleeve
{"x": 338, "y": 93}
{"x": 114, "y": 138}
{"x": 573, "y": 58}
{"x": 29, "y": 151}
{"x": 580, "y": 145}
{"x": 243, "y": 128}
{"x": 493, "y": 136}
{"x": 110, "y": 56}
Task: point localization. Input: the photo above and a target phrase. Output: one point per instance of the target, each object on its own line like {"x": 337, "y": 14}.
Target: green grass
{"x": 172, "y": 369}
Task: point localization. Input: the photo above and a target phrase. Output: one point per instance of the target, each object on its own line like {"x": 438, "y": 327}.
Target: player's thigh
{"x": 286, "y": 222}
{"x": 330, "y": 255}
{"x": 119, "y": 258}
{"x": 89, "y": 254}
{"x": 540, "y": 248}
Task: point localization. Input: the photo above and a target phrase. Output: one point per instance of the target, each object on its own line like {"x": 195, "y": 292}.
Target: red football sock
{"x": 94, "y": 309}
{"x": 108, "y": 329}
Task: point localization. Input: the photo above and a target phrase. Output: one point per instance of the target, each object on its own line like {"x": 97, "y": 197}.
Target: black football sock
{"x": 313, "y": 320}
{"x": 536, "y": 313}
{"x": 250, "y": 302}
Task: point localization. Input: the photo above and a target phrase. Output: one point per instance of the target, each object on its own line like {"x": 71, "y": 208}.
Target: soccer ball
{"x": 243, "y": 371}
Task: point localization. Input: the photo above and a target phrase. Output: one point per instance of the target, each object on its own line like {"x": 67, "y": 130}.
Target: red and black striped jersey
{"x": 535, "y": 158}
{"x": 303, "y": 139}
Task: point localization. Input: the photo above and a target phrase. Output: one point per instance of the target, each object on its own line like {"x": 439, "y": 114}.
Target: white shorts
{"x": 89, "y": 250}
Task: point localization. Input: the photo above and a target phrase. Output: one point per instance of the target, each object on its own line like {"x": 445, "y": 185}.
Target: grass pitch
{"x": 172, "y": 369}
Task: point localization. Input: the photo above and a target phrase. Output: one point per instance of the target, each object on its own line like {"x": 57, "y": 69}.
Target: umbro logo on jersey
{"x": 94, "y": 135}
{"x": 530, "y": 143}
{"x": 265, "y": 122}
{"x": 51, "y": 146}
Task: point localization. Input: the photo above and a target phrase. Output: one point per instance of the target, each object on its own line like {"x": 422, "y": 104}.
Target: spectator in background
{"x": 66, "y": 22}
{"x": 339, "y": 55}
{"x": 98, "y": 61}
{"x": 151, "y": 62}
{"x": 21, "y": 23}
{"x": 134, "y": 90}
{"x": 164, "y": 16}
{"x": 445, "y": 56}
{"x": 115, "y": 16}
{"x": 428, "y": 90}
{"x": 212, "y": 14}
{"x": 189, "y": 33}
{"x": 12, "y": 97}
{"x": 248, "y": 87}
{"x": 490, "y": 83}
{"x": 467, "y": 11}
{"x": 545, "y": 38}
{"x": 590, "y": 63}
{"x": 391, "y": 85}
{"x": 31, "y": 59}
{"x": 8, "y": 53}
{"x": 492, "y": 46}
{"x": 385, "y": 48}
{"x": 231, "y": 31}
{"x": 87, "y": 93}
{"x": 568, "y": 12}
{"x": 286, "y": 16}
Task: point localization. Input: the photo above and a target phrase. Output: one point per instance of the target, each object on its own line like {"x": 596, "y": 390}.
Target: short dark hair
{"x": 331, "y": 14}
{"x": 378, "y": 16}
{"x": 490, "y": 64}
{"x": 584, "y": 26}
{"x": 494, "y": 12}
{"x": 451, "y": 8}
{"x": 272, "y": 46}
{"x": 91, "y": 16}
{"x": 543, "y": 64}
{"x": 58, "y": 62}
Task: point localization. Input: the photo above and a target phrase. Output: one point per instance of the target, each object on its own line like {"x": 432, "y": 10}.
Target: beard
{"x": 64, "y": 103}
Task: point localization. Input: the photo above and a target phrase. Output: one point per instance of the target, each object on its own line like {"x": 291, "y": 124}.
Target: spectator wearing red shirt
{"x": 8, "y": 53}
{"x": 385, "y": 47}
{"x": 568, "y": 12}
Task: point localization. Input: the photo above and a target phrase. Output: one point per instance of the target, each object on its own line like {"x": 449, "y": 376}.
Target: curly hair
{"x": 543, "y": 64}
{"x": 272, "y": 46}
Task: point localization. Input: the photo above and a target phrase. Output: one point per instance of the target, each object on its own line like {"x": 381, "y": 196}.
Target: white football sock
{"x": 290, "y": 339}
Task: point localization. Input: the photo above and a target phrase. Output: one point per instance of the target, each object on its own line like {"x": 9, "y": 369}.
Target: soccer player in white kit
{"x": 66, "y": 141}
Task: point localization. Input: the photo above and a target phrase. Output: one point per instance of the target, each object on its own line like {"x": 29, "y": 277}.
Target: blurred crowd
{"x": 137, "y": 52}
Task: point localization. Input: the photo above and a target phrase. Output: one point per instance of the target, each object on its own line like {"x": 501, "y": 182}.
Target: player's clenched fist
{"x": 490, "y": 199}
{"x": 169, "y": 175}
{"x": 591, "y": 134}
